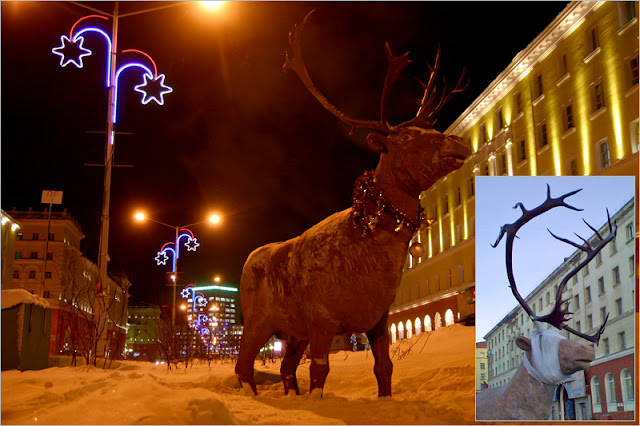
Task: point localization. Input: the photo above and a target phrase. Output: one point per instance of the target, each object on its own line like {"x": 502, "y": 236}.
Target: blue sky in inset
{"x": 536, "y": 253}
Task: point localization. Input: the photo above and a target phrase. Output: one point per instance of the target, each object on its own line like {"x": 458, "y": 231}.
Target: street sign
{"x": 51, "y": 197}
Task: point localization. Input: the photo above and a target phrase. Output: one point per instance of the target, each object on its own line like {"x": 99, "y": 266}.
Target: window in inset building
{"x": 517, "y": 103}
{"x": 602, "y": 154}
{"x": 538, "y": 88}
{"x": 593, "y": 41}
{"x": 626, "y": 12}
{"x": 597, "y": 96}
{"x": 543, "y": 138}
{"x": 568, "y": 117}
{"x": 499, "y": 121}
{"x": 522, "y": 150}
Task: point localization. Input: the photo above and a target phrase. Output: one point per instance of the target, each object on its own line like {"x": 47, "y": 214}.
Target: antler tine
{"x": 578, "y": 246}
{"x": 510, "y": 230}
{"x": 446, "y": 98}
{"x": 593, "y": 338}
{"x": 295, "y": 63}
{"x": 397, "y": 64}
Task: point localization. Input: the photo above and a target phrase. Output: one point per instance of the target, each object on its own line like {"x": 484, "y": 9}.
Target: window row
{"x": 612, "y": 398}
{"x": 31, "y": 274}
{"x": 408, "y": 329}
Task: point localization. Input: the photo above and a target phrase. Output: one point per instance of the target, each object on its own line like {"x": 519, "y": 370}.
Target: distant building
{"x": 605, "y": 286}
{"x": 10, "y": 230}
{"x": 53, "y": 267}
{"x": 142, "y": 335}
{"x": 567, "y": 104}
{"x": 214, "y": 311}
{"x": 482, "y": 372}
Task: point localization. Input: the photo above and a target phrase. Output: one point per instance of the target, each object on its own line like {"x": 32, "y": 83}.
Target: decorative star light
{"x": 71, "y": 51}
{"x": 184, "y": 293}
{"x": 201, "y": 301}
{"x": 192, "y": 244}
{"x": 162, "y": 258}
{"x": 153, "y": 89}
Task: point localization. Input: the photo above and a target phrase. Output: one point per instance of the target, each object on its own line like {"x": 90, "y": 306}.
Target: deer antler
{"x": 425, "y": 117}
{"x": 296, "y": 64}
{"x": 560, "y": 313}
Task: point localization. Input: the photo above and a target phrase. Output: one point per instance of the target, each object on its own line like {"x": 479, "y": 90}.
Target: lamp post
{"x": 191, "y": 244}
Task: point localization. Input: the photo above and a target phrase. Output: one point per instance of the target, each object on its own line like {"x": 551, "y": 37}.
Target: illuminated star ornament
{"x": 192, "y": 244}
{"x": 162, "y": 258}
{"x": 184, "y": 293}
{"x": 153, "y": 89}
{"x": 71, "y": 51}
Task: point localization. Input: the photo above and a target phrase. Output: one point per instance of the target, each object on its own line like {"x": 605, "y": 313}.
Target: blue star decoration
{"x": 71, "y": 51}
{"x": 184, "y": 293}
{"x": 192, "y": 244}
{"x": 162, "y": 258}
{"x": 153, "y": 89}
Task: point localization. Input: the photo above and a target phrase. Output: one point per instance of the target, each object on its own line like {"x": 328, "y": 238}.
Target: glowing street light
{"x": 173, "y": 248}
{"x": 212, "y": 5}
{"x": 217, "y": 279}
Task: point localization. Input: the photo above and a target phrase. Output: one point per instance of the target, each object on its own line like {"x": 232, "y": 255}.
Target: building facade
{"x": 567, "y": 104}
{"x": 10, "y": 230}
{"x": 214, "y": 312}
{"x": 482, "y": 371}
{"x": 142, "y": 334}
{"x": 48, "y": 262}
{"x": 605, "y": 286}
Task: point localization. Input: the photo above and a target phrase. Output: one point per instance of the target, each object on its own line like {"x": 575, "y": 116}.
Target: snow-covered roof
{"x": 11, "y": 298}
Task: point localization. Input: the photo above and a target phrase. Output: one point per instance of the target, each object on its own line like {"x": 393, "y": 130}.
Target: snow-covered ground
{"x": 433, "y": 383}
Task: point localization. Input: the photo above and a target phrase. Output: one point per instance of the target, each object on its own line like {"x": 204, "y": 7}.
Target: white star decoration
{"x": 71, "y": 51}
{"x": 153, "y": 89}
{"x": 162, "y": 258}
{"x": 184, "y": 293}
{"x": 192, "y": 244}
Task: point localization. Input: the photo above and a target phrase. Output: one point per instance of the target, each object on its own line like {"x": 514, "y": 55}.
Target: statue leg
{"x": 294, "y": 350}
{"x": 253, "y": 339}
{"x": 320, "y": 345}
{"x": 383, "y": 367}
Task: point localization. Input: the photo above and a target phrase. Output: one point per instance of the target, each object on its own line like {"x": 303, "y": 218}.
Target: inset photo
{"x": 555, "y": 300}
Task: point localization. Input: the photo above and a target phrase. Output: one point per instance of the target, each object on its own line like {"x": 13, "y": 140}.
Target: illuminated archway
{"x": 393, "y": 333}
{"x": 418, "y": 326}
{"x": 448, "y": 318}
{"x": 409, "y": 329}
{"x": 400, "y": 330}
{"x": 427, "y": 323}
{"x": 437, "y": 322}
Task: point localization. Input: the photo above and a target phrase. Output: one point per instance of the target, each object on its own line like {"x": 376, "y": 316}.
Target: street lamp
{"x": 181, "y": 232}
{"x": 152, "y": 88}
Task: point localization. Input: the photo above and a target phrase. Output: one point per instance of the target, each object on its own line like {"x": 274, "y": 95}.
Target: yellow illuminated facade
{"x": 566, "y": 105}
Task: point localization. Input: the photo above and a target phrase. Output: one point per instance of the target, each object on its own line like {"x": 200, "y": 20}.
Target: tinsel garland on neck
{"x": 365, "y": 193}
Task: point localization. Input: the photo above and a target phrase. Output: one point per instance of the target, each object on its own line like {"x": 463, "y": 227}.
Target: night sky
{"x": 237, "y": 134}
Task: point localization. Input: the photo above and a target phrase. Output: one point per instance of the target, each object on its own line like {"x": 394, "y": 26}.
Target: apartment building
{"x": 567, "y": 104}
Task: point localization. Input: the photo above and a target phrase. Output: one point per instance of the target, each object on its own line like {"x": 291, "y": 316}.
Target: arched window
{"x": 16, "y": 273}
{"x": 427, "y": 323}
{"x": 626, "y": 382}
{"x": 400, "y": 330}
{"x": 409, "y": 329}
{"x": 418, "y": 326}
{"x": 32, "y": 274}
{"x": 448, "y": 318}
{"x": 437, "y": 322}
{"x": 393, "y": 333}
{"x": 610, "y": 391}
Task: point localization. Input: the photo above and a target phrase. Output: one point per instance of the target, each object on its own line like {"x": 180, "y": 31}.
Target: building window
{"x": 523, "y": 150}
{"x": 34, "y": 255}
{"x": 472, "y": 189}
{"x": 602, "y": 153}
{"x": 461, "y": 274}
{"x": 568, "y": 117}
{"x": 35, "y": 236}
{"x": 614, "y": 246}
{"x": 632, "y": 265}
{"x": 502, "y": 164}
{"x": 597, "y": 97}
{"x": 576, "y": 301}
{"x": 585, "y": 270}
{"x": 19, "y": 236}
{"x": 538, "y": 88}
{"x": 18, "y": 255}
{"x": 626, "y": 12}
{"x": 616, "y": 275}
{"x": 605, "y": 345}
{"x": 619, "y": 306}
{"x": 629, "y": 230}
{"x": 47, "y": 275}
{"x": 589, "y": 322}
{"x": 49, "y": 256}
{"x": 633, "y": 71}
{"x": 517, "y": 103}
{"x": 611, "y": 392}
{"x": 626, "y": 379}
{"x": 449, "y": 283}
{"x": 595, "y": 393}
{"x": 578, "y": 326}
{"x": 16, "y": 273}
{"x": 573, "y": 169}
{"x": 483, "y": 134}
{"x": 485, "y": 170}
{"x": 51, "y": 236}
{"x": 601, "y": 286}
{"x": 445, "y": 204}
{"x": 32, "y": 274}
{"x": 542, "y": 133}
{"x": 592, "y": 39}
{"x": 458, "y": 197}
{"x": 598, "y": 259}
{"x": 548, "y": 298}
{"x": 564, "y": 69}
{"x": 46, "y": 293}
{"x": 622, "y": 341}
{"x": 499, "y": 121}
{"x": 603, "y": 314}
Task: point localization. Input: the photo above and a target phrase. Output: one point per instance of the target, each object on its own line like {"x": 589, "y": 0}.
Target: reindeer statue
{"x": 549, "y": 357}
{"x": 342, "y": 274}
